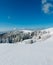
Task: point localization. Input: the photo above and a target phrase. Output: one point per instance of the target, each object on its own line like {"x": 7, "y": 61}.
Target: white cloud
{"x": 46, "y": 7}
{"x": 44, "y": 1}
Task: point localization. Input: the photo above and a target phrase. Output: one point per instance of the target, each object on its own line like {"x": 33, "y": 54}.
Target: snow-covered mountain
{"x": 26, "y": 53}
{"x": 39, "y": 53}
{"x": 26, "y": 35}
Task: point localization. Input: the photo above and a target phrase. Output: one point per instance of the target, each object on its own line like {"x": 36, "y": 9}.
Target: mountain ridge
{"x": 29, "y": 35}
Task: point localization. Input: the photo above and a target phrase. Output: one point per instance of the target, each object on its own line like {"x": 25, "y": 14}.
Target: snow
{"x": 27, "y": 31}
{"x": 39, "y": 53}
{"x": 24, "y": 53}
{"x": 49, "y": 30}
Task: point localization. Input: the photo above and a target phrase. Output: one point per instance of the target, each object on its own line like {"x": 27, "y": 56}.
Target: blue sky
{"x": 25, "y": 14}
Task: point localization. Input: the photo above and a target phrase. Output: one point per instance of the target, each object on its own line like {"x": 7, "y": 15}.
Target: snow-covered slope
{"x": 50, "y": 30}
{"x": 39, "y": 53}
{"x": 22, "y": 35}
{"x": 27, "y": 31}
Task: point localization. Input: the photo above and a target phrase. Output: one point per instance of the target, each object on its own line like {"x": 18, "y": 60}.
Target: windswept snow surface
{"x": 39, "y": 53}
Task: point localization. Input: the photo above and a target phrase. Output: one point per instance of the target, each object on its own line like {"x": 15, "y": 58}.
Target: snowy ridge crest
{"x": 27, "y": 36}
